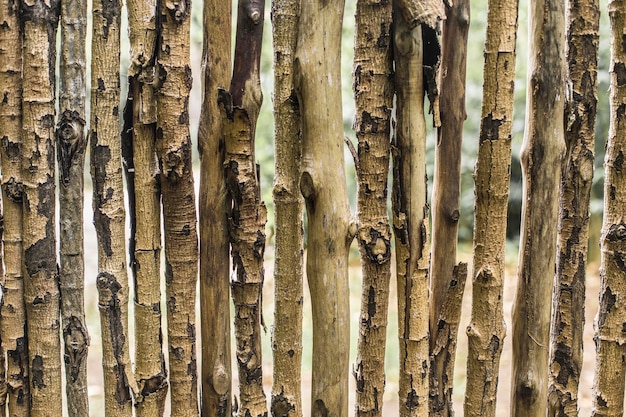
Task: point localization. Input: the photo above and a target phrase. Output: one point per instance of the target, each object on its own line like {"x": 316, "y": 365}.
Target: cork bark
{"x": 542, "y": 154}
{"x": 487, "y": 329}
{"x": 214, "y": 241}
{"x": 13, "y": 309}
{"x": 41, "y": 285}
{"x": 323, "y": 186}
{"x": 288, "y": 212}
{"x": 109, "y": 211}
{"x": 446, "y": 211}
{"x": 373, "y": 92}
{"x": 71, "y": 142}
{"x": 142, "y": 178}
{"x": 608, "y": 386}
{"x": 568, "y": 316}
{"x": 247, "y": 215}
{"x": 173, "y": 144}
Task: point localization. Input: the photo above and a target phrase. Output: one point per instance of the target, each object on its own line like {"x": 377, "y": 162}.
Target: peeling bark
{"x": 173, "y": 144}
{"x": 323, "y": 186}
{"x": 608, "y": 386}
{"x": 13, "y": 309}
{"x": 410, "y": 218}
{"x": 373, "y": 91}
{"x": 568, "y": 315}
{"x": 71, "y": 143}
{"x": 41, "y": 285}
{"x": 214, "y": 240}
{"x": 288, "y": 202}
{"x": 487, "y": 329}
{"x": 446, "y": 197}
{"x": 109, "y": 211}
{"x": 542, "y": 155}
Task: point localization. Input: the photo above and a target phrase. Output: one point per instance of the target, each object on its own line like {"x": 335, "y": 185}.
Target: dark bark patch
{"x": 281, "y": 407}
{"x": 412, "y": 400}
{"x": 620, "y": 261}
{"x": 76, "y": 343}
{"x": 192, "y": 368}
{"x": 620, "y": 73}
{"x": 12, "y": 149}
{"x": 154, "y": 384}
{"x": 183, "y": 119}
{"x": 371, "y": 303}
{"x": 384, "y": 39}
{"x": 70, "y": 140}
{"x": 41, "y": 256}
{"x": 607, "y": 302}
{"x": 111, "y": 13}
{"x": 291, "y": 352}
{"x": 178, "y": 9}
{"x": 319, "y": 409}
{"x": 490, "y": 128}
{"x": 369, "y": 123}
{"x": 618, "y": 164}
{"x": 307, "y": 188}
{"x": 38, "y": 372}
{"x": 101, "y": 87}
{"x": 14, "y": 190}
{"x": 258, "y": 247}
{"x": 171, "y": 305}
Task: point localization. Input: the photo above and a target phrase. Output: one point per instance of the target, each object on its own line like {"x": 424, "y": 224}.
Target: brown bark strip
{"x": 446, "y": 196}
{"x": 288, "y": 202}
{"x": 71, "y": 143}
{"x": 410, "y": 219}
{"x": 568, "y": 316}
{"x": 323, "y": 186}
{"x": 373, "y": 91}
{"x": 173, "y": 144}
{"x": 608, "y": 386}
{"x": 247, "y": 215}
{"x": 542, "y": 155}
{"x": 214, "y": 241}
{"x": 486, "y": 330}
{"x": 3, "y": 369}
{"x": 416, "y": 12}
{"x": 41, "y": 286}
{"x": 12, "y": 312}
{"x": 142, "y": 174}
{"x": 444, "y": 346}
{"x": 109, "y": 212}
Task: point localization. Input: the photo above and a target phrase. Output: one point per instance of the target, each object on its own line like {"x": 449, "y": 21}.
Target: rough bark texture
{"x": 12, "y": 311}
{"x": 41, "y": 285}
{"x": 288, "y": 203}
{"x": 446, "y": 210}
{"x": 323, "y": 186}
{"x": 487, "y": 329}
{"x": 142, "y": 174}
{"x": 214, "y": 240}
{"x": 247, "y": 215}
{"x": 568, "y": 315}
{"x": 608, "y": 389}
{"x": 542, "y": 154}
{"x": 71, "y": 143}
{"x": 373, "y": 91}
{"x": 410, "y": 219}
{"x": 179, "y": 209}
{"x": 3, "y": 369}
{"x": 108, "y": 206}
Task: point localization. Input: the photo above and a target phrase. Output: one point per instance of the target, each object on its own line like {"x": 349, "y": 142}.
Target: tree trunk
{"x": 179, "y": 208}
{"x": 568, "y": 316}
{"x": 323, "y": 186}
{"x": 214, "y": 240}
{"x": 247, "y": 215}
{"x": 71, "y": 143}
{"x": 487, "y": 329}
{"x": 410, "y": 208}
{"x": 41, "y": 286}
{"x": 542, "y": 153}
{"x": 373, "y": 91}
{"x": 608, "y": 386}
{"x": 109, "y": 212}
{"x": 288, "y": 203}
{"x": 444, "y": 273}
{"x": 142, "y": 174}
{"x": 3, "y": 369}
{"x": 12, "y": 311}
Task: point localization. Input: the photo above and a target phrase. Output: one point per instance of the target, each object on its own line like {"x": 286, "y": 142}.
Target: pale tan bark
{"x": 487, "y": 329}
{"x": 542, "y": 155}
{"x": 41, "y": 286}
{"x": 568, "y": 315}
{"x": 323, "y": 186}
{"x": 373, "y": 91}
{"x": 214, "y": 241}
{"x": 410, "y": 219}
{"x": 288, "y": 203}
{"x": 179, "y": 209}
{"x": 144, "y": 195}
{"x": 71, "y": 143}
{"x": 109, "y": 211}
{"x": 608, "y": 386}
{"x": 446, "y": 211}
{"x": 12, "y": 312}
